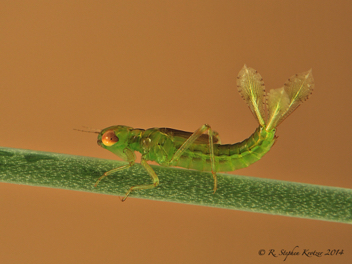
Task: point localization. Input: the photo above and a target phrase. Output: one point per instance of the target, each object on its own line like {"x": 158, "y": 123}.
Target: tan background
{"x": 67, "y": 64}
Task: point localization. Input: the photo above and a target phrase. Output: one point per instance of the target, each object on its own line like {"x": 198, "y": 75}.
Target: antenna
{"x": 89, "y": 130}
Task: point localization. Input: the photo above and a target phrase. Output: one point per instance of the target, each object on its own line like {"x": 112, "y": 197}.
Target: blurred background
{"x": 68, "y": 64}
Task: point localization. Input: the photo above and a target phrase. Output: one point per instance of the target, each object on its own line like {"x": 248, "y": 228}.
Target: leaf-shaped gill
{"x": 251, "y": 87}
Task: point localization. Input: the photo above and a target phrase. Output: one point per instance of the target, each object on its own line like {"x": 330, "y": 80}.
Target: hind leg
{"x": 192, "y": 139}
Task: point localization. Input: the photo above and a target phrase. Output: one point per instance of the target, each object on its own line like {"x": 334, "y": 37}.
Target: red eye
{"x": 109, "y": 138}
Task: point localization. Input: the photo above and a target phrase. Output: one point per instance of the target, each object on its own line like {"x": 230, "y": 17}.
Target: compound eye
{"x": 109, "y": 138}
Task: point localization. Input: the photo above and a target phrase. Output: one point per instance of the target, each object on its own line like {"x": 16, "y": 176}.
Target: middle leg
{"x": 152, "y": 173}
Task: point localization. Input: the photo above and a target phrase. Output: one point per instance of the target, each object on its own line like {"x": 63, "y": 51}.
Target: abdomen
{"x": 228, "y": 157}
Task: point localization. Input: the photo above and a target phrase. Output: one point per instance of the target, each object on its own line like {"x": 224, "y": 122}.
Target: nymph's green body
{"x": 160, "y": 145}
{"x": 199, "y": 151}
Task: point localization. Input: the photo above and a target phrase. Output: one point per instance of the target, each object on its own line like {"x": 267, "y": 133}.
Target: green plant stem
{"x": 177, "y": 185}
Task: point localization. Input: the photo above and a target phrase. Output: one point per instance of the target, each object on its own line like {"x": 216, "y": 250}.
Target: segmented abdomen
{"x": 228, "y": 157}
